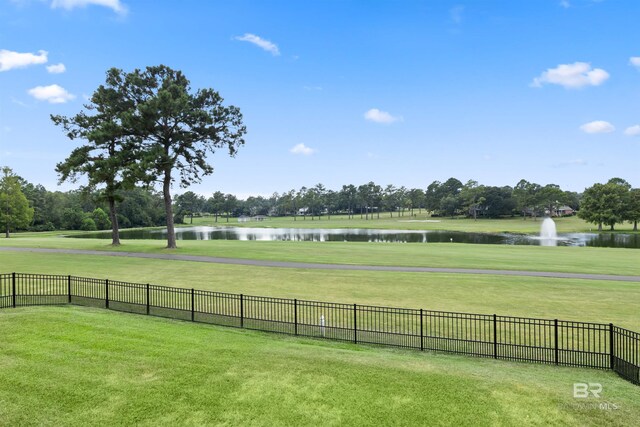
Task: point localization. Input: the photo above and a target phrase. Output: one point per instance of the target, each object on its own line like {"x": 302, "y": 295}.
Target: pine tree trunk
{"x": 166, "y": 192}
{"x": 6, "y": 234}
{"x": 113, "y": 216}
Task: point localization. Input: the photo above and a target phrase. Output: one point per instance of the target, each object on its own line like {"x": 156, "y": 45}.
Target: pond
{"x": 611, "y": 240}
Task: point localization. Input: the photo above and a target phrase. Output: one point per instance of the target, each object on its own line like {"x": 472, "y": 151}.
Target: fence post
{"x": 355, "y": 324}
{"x": 193, "y": 306}
{"x": 421, "y": 330}
{"x": 148, "y": 302}
{"x": 69, "y": 287}
{"x": 495, "y": 336}
{"x": 611, "y": 347}
{"x": 106, "y": 293}
{"x": 295, "y": 316}
{"x": 13, "y": 288}
{"x": 555, "y": 326}
{"x": 241, "y": 310}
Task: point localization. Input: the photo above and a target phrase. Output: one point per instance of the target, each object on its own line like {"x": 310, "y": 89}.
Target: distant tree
{"x": 37, "y": 197}
{"x": 432, "y": 196}
{"x": 551, "y": 197}
{"x": 605, "y": 203}
{"x": 230, "y": 204}
{"x": 370, "y": 196}
{"x": 72, "y": 219}
{"x": 348, "y": 197}
{"x": 403, "y": 199}
{"x": 177, "y": 127}
{"x": 527, "y": 197}
{"x": 472, "y": 197}
{"x": 437, "y": 192}
{"x": 189, "y": 203}
{"x": 100, "y": 219}
{"x": 292, "y": 203}
{"x": 319, "y": 199}
{"x": 88, "y": 224}
{"x": 331, "y": 202}
{"x": 498, "y": 201}
{"x": 417, "y": 197}
{"x": 15, "y": 212}
{"x": 449, "y": 205}
{"x": 273, "y": 204}
{"x": 390, "y": 200}
{"x": 141, "y": 207}
{"x": 633, "y": 211}
{"x": 216, "y": 204}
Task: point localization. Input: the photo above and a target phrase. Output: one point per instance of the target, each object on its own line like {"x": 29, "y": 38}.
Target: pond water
{"x": 612, "y": 240}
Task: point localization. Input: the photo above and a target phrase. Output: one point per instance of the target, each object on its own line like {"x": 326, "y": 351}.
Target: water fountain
{"x": 548, "y": 234}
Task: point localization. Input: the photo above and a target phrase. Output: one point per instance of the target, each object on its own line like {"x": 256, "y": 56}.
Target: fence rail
{"x": 550, "y": 341}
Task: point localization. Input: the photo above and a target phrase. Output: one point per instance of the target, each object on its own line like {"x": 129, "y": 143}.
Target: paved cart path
{"x": 307, "y": 265}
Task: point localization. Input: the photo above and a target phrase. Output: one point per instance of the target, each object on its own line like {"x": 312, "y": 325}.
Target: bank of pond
{"x": 611, "y": 240}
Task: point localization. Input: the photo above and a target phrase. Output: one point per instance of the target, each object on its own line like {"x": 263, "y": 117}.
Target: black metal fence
{"x": 556, "y": 342}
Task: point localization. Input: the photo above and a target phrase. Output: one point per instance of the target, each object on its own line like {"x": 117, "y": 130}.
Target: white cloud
{"x": 302, "y": 149}
{"x": 576, "y": 162}
{"x": 456, "y": 14}
{"x": 53, "y": 94}
{"x": 378, "y": 116}
{"x": 114, "y": 5}
{"x": 56, "y": 68}
{"x": 10, "y": 60}
{"x": 632, "y": 130}
{"x": 565, "y": 4}
{"x": 635, "y": 61}
{"x": 18, "y": 102}
{"x": 598, "y": 126}
{"x": 572, "y": 76}
{"x": 260, "y": 42}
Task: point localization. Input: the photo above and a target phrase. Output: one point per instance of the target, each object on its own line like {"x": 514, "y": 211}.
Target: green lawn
{"x": 78, "y": 366}
{"x": 502, "y": 257}
{"x": 568, "y": 299}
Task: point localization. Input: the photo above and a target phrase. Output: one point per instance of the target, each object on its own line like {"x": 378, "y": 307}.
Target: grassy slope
{"x": 78, "y": 366}
{"x": 504, "y": 257}
{"x": 586, "y": 300}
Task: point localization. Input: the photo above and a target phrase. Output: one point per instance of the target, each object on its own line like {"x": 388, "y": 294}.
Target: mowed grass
{"x": 452, "y": 255}
{"x": 567, "y": 299}
{"x": 77, "y": 366}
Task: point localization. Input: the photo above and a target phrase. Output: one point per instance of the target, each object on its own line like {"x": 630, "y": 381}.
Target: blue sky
{"x": 338, "y": 92}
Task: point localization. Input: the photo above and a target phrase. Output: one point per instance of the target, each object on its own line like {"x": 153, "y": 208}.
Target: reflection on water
{"x": 365, "y": 235}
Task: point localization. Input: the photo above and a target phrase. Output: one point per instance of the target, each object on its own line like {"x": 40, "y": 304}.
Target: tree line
{"x": 607, "y": 204}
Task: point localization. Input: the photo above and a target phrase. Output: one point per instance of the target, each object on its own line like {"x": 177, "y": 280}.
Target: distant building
{"x": 564, "y": 211}
{"x": 245, "y": 218}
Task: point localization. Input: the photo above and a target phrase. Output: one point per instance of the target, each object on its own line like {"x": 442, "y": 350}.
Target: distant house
{"x": 564, "y": 211}
{"x": 245, "y": 218}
